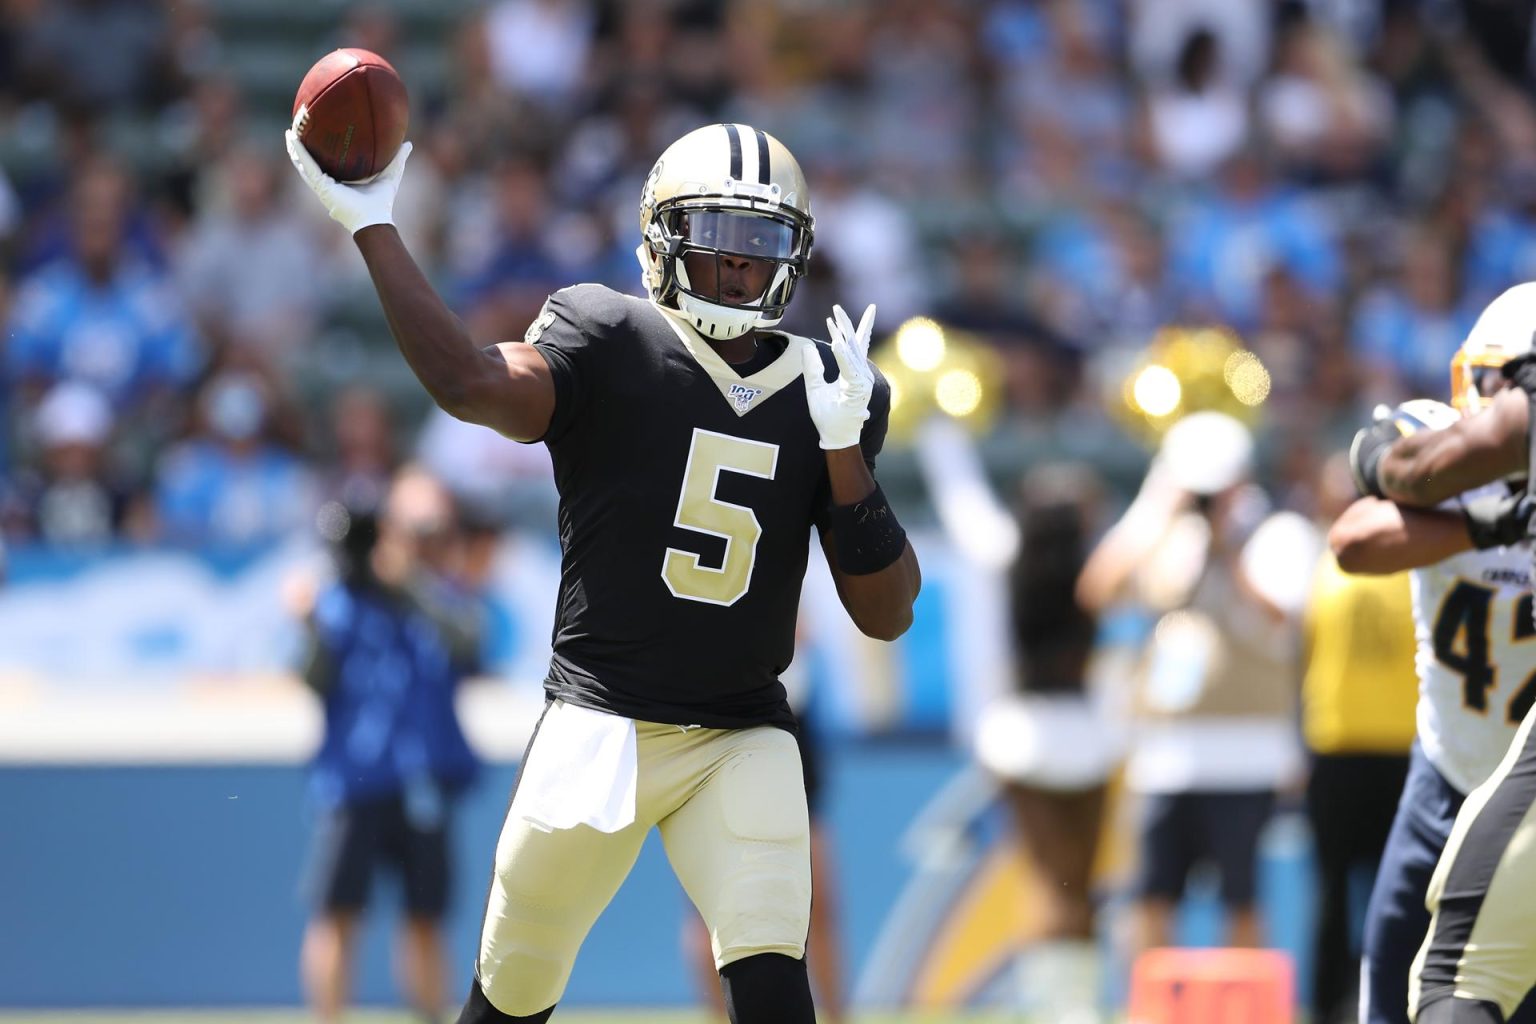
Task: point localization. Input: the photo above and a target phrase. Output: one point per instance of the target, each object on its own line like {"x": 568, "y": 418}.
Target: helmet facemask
{"x": 1475, "y": 379}
{"x": 746, "y": 221}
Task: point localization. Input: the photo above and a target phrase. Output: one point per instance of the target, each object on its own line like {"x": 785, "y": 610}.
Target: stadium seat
{"x": 1212, "y": 986}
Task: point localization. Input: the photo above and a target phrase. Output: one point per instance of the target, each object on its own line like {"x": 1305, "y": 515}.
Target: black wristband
{"x": 866, "y": 536}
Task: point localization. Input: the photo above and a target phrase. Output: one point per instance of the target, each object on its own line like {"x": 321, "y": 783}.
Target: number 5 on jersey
{"x": 699, "y": 510}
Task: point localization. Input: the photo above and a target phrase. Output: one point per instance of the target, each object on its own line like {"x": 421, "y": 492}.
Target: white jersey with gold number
{"x": 1476, "y": 659}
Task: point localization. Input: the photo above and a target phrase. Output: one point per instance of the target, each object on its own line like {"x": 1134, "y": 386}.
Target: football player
{"x": 694, "y": 448}
{"x": 1477, "y": 669}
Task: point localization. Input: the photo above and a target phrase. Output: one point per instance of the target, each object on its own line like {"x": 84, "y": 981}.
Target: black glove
{"x": 1365, "y": 454}
{"x": 1498, "y": 520}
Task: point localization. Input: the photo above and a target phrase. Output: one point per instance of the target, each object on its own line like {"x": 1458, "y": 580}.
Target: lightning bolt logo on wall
{"x": 960, "y": 934}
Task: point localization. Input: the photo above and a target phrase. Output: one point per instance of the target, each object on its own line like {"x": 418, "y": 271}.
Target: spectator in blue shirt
{"x": 1500, "y": 233}
{"x": 99, "y": 181}
{"x": 102, "y": 316}
{"x": 1102, "y": 276}
{"x": 1406, "y": 330}
{"x": 1223, "y": 244}
{"x": 500, "y": 288}
{"x": 388, "y": 647}
{"x": 229, "y": 484}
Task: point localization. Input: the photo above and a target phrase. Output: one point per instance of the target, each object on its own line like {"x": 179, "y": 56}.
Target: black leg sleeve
{"x": 478, "y": 1010}
{"x": 769, "y": 988}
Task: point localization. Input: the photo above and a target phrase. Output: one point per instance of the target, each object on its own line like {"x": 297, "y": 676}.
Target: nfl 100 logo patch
{"x": 742, "y": 396}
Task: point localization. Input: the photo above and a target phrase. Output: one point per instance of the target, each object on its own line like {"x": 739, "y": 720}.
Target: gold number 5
{"x": 699, "y": 510}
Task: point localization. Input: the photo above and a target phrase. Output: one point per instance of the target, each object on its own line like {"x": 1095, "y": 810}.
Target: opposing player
{"x": 1477, "y": 666}
{"x": 694, "y": 448}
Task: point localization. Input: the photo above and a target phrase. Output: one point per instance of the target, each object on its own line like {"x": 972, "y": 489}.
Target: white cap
{"x": 1207, "y": 452}
{"x": 73, "y": 413}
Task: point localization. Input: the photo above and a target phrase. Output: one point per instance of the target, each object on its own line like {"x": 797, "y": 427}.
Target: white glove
{"x": 840, "y": 408}
{"x": 357, "y": 206}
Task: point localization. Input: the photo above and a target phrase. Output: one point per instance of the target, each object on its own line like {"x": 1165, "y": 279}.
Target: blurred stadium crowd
{"x": 193, "y": 356}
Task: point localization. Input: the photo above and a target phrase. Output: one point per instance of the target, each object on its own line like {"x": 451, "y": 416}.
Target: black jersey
{"x": 687, "y": 496}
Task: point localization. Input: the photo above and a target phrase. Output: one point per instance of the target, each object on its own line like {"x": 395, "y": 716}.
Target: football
{"x": 351, "y": 113}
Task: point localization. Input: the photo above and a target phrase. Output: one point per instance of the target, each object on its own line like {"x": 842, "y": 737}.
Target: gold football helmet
{"x": 725, "y": 189}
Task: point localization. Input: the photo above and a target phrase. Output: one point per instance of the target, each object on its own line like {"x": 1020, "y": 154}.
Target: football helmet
{"x": 1503, "y": 332}
{"x": 725, "y": 190}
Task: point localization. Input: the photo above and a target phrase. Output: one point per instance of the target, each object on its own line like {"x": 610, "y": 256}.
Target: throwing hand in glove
{"x": 354, "y": 206}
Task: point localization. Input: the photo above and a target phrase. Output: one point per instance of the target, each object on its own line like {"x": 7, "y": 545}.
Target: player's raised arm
{"x": 506, "y": 387}
{"x": 872, "y": 563}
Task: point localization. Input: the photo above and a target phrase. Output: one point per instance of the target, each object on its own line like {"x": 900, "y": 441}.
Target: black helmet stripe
{"x": 762, "y": 157}
{"x": 735, "y": 137}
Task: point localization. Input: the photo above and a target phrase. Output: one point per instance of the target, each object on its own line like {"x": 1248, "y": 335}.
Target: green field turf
{"x": 392, "y": 1017}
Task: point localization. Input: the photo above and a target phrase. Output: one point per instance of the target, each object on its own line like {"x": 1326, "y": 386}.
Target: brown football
{"x": 351, "y": 113}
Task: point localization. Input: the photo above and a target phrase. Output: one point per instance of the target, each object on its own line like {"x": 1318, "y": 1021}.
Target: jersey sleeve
{"x": 564, "y": 339}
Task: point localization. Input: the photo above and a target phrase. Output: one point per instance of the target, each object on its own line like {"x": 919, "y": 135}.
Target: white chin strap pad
{"x": 716, "y": 322}
{"x": 711, "y": 319}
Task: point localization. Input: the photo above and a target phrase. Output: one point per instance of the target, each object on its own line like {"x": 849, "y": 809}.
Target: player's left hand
{"x": 840, "y": 407}
{"x": 353, "y": 206}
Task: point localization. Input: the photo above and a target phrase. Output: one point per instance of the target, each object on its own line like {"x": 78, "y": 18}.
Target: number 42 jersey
{"x": 688, "y": 490}
{"x": 1476, "y": 658}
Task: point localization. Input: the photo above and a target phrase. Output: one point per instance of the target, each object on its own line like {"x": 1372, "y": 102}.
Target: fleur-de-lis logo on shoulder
{"x": 540, "y": 324}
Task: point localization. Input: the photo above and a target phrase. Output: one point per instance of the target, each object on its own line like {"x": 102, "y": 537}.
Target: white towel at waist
{"x": 580, "y": 770}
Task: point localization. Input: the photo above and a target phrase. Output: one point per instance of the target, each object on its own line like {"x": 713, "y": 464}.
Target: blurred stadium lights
{"x": 1247, "y": 378}
{"x": 1156, "y": 390}
{"x": 920, "y": 344}
{"x": 939, "y": 370}
{"x": 958, "y": 392}
{"x": 1186, "y": 370}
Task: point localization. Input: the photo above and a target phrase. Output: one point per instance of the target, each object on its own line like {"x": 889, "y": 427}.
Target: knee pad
{"x": 478, "y": 1010}
{"x": 768, "y": 988}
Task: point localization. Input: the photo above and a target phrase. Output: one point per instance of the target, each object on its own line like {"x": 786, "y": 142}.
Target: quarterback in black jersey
{"x": 694, "y": 449}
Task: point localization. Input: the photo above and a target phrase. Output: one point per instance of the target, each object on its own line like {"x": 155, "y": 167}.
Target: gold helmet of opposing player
{"x": 725, "y": 190}
{"x": 1504, "y": 331}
